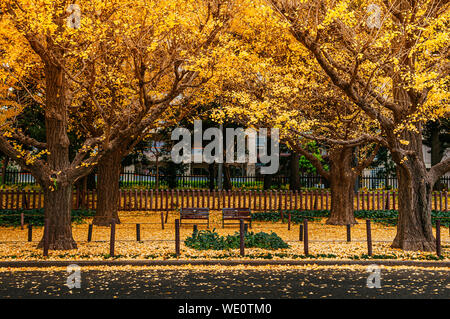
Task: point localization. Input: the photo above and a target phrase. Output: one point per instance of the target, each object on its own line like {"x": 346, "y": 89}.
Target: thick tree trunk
{"x": 342, "y": 181}
{"x": 57, "y": 190}
{"x": 414, "y": 230}
{"x": 58, "y": 206}
{"x": 294, "y": 178}
{"x": 108, "y": 189}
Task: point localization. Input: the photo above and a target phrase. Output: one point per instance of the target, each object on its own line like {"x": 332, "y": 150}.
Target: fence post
{"x": 369, "y": 237}
{"x": 305, "y": 237}
{"x": 30, "y": 232}
{"x": 438, "y": 238}
{"x": 195, "y": 230}
{"x": 300, "y": 233}
{"x": 241, "y": 237}
{"x": 112, "y": 237}
{"x": 22, "y": 220}
{"x": 46, "y": 237}
{"x": 177, "y": 237}
{"x": 289, "y": 221}
{"x": 89, "y": 233}
{"x": 138, "y": 232}
{"x": 162, "y": 220}
{"x": 349, "y": 233}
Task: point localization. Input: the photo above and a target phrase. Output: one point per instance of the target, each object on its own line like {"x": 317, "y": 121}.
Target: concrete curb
{"x": 64, "y": 263}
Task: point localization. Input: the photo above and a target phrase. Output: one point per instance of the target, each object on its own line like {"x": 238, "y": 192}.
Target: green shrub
{"x": 385, "y": 217}
{"x": 207, "y": 239}
{"x": 11, "y": 218}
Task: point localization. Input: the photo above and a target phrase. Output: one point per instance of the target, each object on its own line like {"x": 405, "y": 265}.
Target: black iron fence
{"x": 131, "y": 179}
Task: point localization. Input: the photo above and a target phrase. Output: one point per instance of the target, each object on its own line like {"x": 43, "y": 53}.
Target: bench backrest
{"x": 236, "y": 212}
{"x": 194, "y": 213}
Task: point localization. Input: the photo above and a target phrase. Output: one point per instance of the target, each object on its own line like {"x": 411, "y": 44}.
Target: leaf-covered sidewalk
{"x": 325, "y": 241}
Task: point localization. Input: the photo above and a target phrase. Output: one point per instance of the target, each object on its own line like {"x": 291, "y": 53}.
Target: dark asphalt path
{"x": 228, "y": 283}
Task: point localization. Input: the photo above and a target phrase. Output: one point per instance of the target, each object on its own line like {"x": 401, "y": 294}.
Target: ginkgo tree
{"x": 390, "y": 58}
{"x": 118, "y": 65}
{"x": 274, "y": 85}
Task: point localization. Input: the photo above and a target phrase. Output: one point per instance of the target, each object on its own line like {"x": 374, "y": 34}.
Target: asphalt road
{"x": 227, "y": 283}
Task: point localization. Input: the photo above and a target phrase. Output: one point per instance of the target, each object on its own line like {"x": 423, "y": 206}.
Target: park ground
{"x": 325, "y": 241}
{"x": 209, "y": 282}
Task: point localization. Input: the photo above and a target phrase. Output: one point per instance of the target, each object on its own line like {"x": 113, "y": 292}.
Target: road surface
{"x": 223, "y": 282}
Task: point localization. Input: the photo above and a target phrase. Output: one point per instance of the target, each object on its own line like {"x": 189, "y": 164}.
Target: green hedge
{"x": 207, "y": 239}
{"x": 11, "y": 218}
{"x": 378, "y": 216}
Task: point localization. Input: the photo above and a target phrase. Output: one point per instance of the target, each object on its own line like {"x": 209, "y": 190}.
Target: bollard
{"x": 195, "y": 230}
{"x": 112, "y": 238}
{"x": 30, "y": 232}
{"x": 305, "y": 237}
{"x": 300, "y": 233}
{"x": 22, "y": 220}
{"x": 369, "y": 237}
{"x": 177, "y": 237}
{"x": 289, "y": 221}
{"x": 89, "y": 232}
{"x": 162, "y": 220}
{"x": 46, "y": 237}
{"x": 241, "y": 237}
{"x": 138, "y": 232}
{"x": 438, "y": 238}
{"x": 349, "y": 233}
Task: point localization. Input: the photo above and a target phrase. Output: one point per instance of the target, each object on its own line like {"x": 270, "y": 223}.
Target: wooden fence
{"x": 157, "y": 200}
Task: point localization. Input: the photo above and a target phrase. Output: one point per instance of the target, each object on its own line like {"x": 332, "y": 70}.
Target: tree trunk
{"x": 414, "y": 230}
{"x": 342, "y": 181}
{"x": 157, "y": 173}
{"x": 436, "y": 153}
{"x": 57, "y": 189}
{"x": 83, "y": 185}
{"x": 294, "y": 178}
{"x": 58, "y": 207}
{"x": 211, "y": 171}
{"x": 268, "y": 179}
{"x": 4, "y": 168}
{"x": 227, "y": 177}
{"x": 108, "y": 189}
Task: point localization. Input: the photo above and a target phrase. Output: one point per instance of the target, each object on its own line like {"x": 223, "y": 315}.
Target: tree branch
{"x": 438, "y": 170}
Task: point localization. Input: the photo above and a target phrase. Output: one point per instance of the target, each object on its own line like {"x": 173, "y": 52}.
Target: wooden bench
{"x": 236, "y": 214}
{"x": 194, "y": 214}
